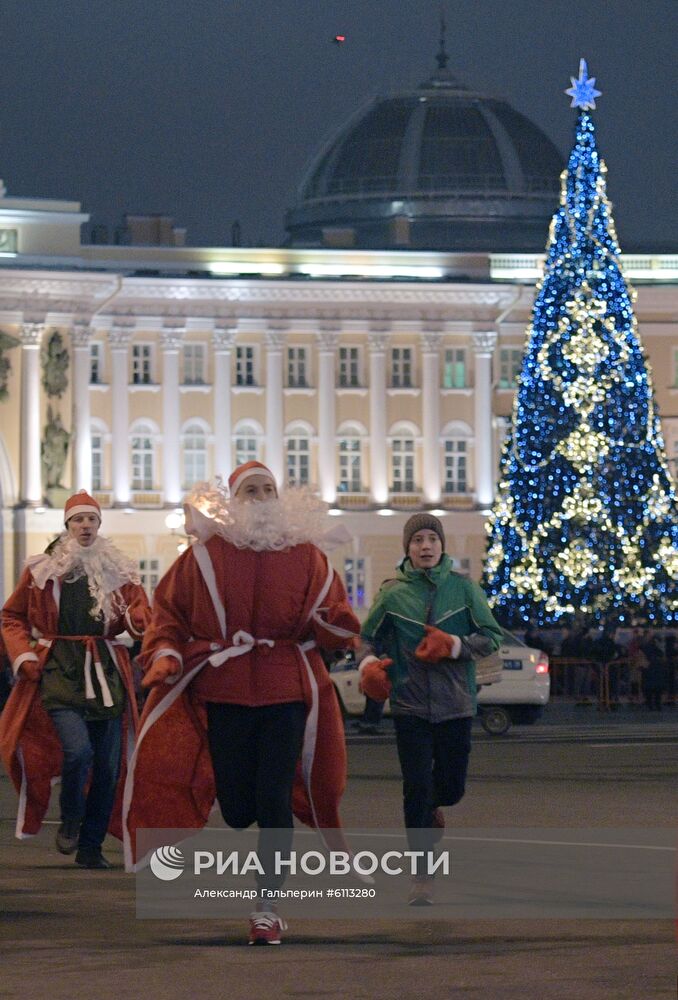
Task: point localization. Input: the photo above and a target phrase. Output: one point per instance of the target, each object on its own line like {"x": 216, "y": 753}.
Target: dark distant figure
{"x": 654, "y": 674}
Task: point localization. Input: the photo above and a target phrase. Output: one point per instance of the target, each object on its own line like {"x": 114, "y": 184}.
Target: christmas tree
{"x": 585, "y": 520}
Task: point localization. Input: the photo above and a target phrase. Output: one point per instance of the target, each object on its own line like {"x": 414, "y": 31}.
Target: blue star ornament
{"x": 583, "y": 91}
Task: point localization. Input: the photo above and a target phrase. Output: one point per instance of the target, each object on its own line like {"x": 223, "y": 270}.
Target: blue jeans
{"x": 88, "y": 746}
{"x": 434, "y": 763}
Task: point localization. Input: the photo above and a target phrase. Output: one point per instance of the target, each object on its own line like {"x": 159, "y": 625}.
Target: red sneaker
{"x": 266, "y": 927}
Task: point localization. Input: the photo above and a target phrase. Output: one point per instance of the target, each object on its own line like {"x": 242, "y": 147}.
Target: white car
{"x": 519, "y": 697}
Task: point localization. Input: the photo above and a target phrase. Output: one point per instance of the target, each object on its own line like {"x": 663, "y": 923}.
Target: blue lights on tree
{"x": 586, "y": 518}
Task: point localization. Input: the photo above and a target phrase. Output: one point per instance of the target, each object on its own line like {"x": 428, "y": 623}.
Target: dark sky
{"x": 209, "y": 110}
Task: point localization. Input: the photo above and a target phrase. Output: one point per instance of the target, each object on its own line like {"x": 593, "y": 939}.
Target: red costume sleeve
{"x": 16, "y": 629}
{"x": 138, "y": 613}
{"x": 168, "y": 631}
{"x": 334, "y": 624}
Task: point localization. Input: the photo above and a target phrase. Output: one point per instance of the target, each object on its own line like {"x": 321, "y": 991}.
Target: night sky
{"x": 209, "y": 110}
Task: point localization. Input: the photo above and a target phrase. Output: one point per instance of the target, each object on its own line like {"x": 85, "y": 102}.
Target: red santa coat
{"x": 244, "y": 624}
{"x": 29, "y": 746}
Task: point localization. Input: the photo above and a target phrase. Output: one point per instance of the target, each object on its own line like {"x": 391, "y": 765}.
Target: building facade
{"x": 383, "y": 380}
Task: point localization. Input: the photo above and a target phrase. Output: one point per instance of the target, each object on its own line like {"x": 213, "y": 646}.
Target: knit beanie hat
{"x": 81, "y": 503}
{"x": 422, "y": 522}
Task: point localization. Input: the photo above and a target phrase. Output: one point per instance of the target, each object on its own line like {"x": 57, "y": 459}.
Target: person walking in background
{"x": 73, "y": 703}
{"x": 429, "y": 624}
{"x": 606, "y": 653}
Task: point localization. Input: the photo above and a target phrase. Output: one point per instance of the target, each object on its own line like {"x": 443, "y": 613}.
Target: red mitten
{"x": 437, "y": 645}
{"x": 31, "y": 670}
{"x": 374, "y": 681}
{"x": 160, "y": 670}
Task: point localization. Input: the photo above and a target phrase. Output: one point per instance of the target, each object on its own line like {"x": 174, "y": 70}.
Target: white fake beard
{"x": 105, "y": 566}
{"x": 296, "y": 516}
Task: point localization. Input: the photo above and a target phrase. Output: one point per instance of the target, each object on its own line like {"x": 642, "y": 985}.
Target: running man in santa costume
{"x": 243, "y": 708}
{"x": 72, "y": 712}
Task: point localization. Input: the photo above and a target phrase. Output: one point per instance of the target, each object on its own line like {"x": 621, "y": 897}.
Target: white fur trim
{"x": 456, "y": 647}
{"x": 202, "y": 557}
{"x": 310, "y": 730}
{"x": 343, "y": 633}
{"x": 247, "y": 474}
{"x": 324, "y": 590}
{"x": 363, "y": 663}
{"x": 22, "y": 659}
{"x": 130, "y": 628}
{"x": 83, "y": 508}
{"x": 173, "y": 678}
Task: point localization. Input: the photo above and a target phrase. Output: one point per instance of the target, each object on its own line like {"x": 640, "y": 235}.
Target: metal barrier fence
{"x": 607, "y": 685}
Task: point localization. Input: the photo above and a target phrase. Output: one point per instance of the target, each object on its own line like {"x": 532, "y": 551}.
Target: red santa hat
{"x": 246, "y": 471}
{"x": 81, "y": 503}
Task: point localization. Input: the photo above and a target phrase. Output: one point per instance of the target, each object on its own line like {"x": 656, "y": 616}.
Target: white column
{"x": 81, "y": 429}
{"x": 275, "y": 459}
{"x": 31, "y": 477}
{"x": 222, "y": 343}
{"x": 430, "y": 404}
{"x": 378, "y": 451}
{"x": 327, "y": 446}
{"x": 483, "y": 345}
{"x": 171, "y": 339}
{"x": 118, "y": 339}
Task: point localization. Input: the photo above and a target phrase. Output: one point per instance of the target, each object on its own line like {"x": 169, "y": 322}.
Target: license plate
{"x": 512, "y": 664}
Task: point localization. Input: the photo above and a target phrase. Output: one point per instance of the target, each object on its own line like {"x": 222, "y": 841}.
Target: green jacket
{"x": 395, "y": 627}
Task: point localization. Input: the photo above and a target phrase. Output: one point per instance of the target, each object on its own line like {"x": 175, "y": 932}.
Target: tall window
{"x": 297, "y": 368}
{"x": 97, "y": 462}
{"x": 246, "y": 444}
{"x": 350, "y": 462}
{"x": 454, "y": 369}
{"x": 149, "y": 571}
{"x": 195, "y": 455}
{"x": 401, "y": 367}
{"x": 510, "y": 363}
{"x": 244, "y": 365}
{"x": 194, "y": 364}
{"x": 349, "y": 367}
{"x": 354, "y": 577}
{"x": 142, "y": 459}
{"x": 456, "y": 466}
{"x": 298, "y": 460}
{"x": 142, "y": 361}
{"x": 402, "y": 458}
{"x": 96, "y": 362}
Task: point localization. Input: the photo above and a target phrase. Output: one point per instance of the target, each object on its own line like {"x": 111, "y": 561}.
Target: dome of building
{"x": 440, "y": 167}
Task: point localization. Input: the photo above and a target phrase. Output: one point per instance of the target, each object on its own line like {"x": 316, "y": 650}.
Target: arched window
{"x": 403, "y": 437}
{"x": 456, "y": 447}
{"x": 194, "y": 441}
{"x": 247, "y": 435}
{"x": 298, "y": 449}
{"x": 143, "y": 455}
{"x": 350, "y": 447}
{"x": 98, "y": 435}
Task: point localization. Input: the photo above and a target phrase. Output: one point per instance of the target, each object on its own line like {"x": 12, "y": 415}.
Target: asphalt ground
{"x": 68, "y": 934}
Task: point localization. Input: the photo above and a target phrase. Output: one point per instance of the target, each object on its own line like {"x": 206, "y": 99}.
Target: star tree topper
{"x": 583, "y": 91}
